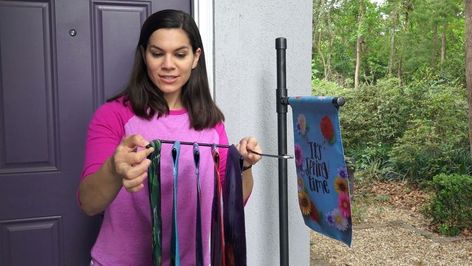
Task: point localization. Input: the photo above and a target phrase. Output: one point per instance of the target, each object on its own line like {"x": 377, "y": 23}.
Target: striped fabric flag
{"x": 322, "y": 177}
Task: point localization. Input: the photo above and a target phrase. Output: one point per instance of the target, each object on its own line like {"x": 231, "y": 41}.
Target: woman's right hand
{"x": 130, "y": 163}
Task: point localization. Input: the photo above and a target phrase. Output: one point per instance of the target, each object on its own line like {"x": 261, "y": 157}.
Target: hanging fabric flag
{"x": 154, "y": 186}
{"x": 323, "y": 188}
{"x": 233, "y": 208}
{"x": 175, "y": 253}
{"x": 198, "y": 231}
{"x": 217, "y": 245}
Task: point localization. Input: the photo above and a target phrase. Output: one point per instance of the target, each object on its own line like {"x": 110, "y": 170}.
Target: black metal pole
{"x": 281, "y": 93}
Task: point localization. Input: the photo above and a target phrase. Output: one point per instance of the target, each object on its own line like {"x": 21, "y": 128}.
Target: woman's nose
{"x": 168, "y": 62}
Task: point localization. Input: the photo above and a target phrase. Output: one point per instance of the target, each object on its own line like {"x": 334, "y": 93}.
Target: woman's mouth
{"x": 168, "y": 78}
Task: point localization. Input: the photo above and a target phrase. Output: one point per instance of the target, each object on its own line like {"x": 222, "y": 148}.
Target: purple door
{"x": 59, "y": 60}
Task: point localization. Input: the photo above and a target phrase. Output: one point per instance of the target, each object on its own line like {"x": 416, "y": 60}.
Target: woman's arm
{"x": 127, "y": 167}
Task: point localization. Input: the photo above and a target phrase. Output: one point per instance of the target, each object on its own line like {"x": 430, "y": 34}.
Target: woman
{"x": 167, "y": 97}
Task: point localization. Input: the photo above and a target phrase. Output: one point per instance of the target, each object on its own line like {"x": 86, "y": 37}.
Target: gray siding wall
{"x": 245, "y": 82}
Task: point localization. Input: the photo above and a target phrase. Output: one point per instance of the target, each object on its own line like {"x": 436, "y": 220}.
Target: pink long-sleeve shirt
{"x": 125, "y": 234}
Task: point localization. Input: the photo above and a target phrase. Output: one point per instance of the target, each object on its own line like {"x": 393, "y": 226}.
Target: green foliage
{"x": 394, "y": 131}
{"x": 451, "y": 208}
{"x": 406, "y": 35}
{"x": 435, "y": 139}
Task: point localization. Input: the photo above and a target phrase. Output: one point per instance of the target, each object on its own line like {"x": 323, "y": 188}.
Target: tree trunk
{"x": 399, "y": 70}
{"x": 321, "y": 55}
{"x": 392, "y": 52}
{"x": 443, "y": 45}
{"x": 468, "y": 63}
{"x": 435, "y": 45}
{"x": 359, "y": 44}
{"x": 392, "y": 43}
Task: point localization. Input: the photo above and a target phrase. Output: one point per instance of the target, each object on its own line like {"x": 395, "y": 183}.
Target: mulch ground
{"x": 390, "y": 229}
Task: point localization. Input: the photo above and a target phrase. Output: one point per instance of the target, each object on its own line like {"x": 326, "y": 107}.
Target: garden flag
{"x": 323, "y": 188}
{"x": 217, "y": 241}
{"x": 198, "y": 229}
{"x": 175, "y": 246}
{"x": 233, "y": 210}
{"x": 154, "y": 186}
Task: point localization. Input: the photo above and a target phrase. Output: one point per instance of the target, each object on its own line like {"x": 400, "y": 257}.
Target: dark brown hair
{"x": 146, "y": 98}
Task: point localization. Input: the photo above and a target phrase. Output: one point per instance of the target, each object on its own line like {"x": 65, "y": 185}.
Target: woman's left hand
{"x": 245, "y": 145}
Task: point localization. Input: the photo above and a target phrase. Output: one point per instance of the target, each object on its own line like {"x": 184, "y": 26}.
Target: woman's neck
{"x": 174, "y": 102}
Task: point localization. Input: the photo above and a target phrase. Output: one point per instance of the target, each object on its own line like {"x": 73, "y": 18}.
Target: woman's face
{"x": 169, "y": 60}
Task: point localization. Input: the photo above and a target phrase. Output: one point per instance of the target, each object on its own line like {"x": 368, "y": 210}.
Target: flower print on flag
{"x": 342, "y": 172}
{"x": 315, "y": 214}
{"x": 327, "y": 129}
{"x": 330, "y": 219}
{"x": 340, "y": 185}
{"x": 336, "y": 219}
{"x": 344, "y": 204}
{"x": 301, "y": 184}
{"x": 302, "y": 126}
{"x": 298, "y": 156}
{"x": 305, "y": 203}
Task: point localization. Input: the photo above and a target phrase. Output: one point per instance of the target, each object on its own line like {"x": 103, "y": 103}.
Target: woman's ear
{"x": 197, "y": 54}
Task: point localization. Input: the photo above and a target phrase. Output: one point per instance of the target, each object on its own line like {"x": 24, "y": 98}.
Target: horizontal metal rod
{"x": 284, "y": 156}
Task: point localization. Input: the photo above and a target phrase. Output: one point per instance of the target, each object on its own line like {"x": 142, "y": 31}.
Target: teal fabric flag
{"x": 322, "y": 177}
{"x": 154, "y": 186}
{"x": 175, "y": 251}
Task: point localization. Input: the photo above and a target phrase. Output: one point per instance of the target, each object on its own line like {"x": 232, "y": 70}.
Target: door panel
{"x": 59, "y": 60}
{"x": 116, "y": 31}
{"x": 29, "y": 54}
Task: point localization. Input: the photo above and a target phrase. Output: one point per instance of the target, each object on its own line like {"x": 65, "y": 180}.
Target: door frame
{"x": 204, "y": 16}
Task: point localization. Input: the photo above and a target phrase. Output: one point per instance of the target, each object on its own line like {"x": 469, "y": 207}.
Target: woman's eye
{"x": 181, "y": 55}
{"x": 156, "y": 54}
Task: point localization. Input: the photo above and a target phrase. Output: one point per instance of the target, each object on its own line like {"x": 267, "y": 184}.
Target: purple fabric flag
{"x": 233, "y": 210}
{"x": 198, "y": 229}
{"x": 322, "y": 178}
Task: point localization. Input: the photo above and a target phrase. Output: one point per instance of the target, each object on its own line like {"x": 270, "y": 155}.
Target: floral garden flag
{"x": 323, "y": 188}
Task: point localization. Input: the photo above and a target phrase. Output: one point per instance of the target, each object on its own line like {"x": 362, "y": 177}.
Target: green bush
{"x": 451, "y": 207}
{"x": 414, "y": 131}
{"x": 435, "y": 139}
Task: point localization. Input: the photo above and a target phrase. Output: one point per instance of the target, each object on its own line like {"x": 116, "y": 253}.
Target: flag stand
{"x": 282, "y": 102}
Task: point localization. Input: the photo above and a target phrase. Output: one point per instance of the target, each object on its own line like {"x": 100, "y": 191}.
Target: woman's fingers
{"x": 245, "y": 146}
{"x": 131, "y": 164}
{"x": 135, "y": 184}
